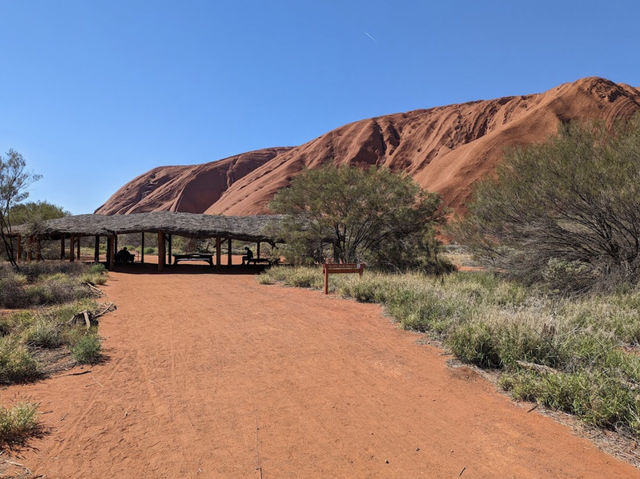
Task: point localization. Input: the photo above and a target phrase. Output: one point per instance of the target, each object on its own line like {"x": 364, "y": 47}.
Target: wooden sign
{"x": 340, "y": 268}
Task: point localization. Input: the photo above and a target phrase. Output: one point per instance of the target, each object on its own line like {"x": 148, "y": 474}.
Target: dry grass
{"x": 583, "y": 347}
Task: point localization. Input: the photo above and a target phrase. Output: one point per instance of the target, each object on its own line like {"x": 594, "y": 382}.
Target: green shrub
{"x": 97, "y": 268}
{"x": 16, "y": 362}
{"x": 87, "y": 349}
{"x": 12, "y": 294}
{"x": 493, "y": 323}
{"x": 18, "y": 423}
{"x": 596, "y": 398}
{"x": 149, "y": 250}
{"x": 475, "y": 343}
{"x": 563, "y": 212}
{"x": 44, "y": 334}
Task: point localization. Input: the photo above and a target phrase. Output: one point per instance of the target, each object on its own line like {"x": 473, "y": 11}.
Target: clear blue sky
{"x": 94, "y": 93}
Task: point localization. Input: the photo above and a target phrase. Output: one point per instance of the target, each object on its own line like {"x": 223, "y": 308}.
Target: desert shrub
{"x": 12, "y": 293}
{"x": 493, "y": 323}
{"x": 355, "y": 215}
{"x": 44, "y": 334}
{"x": 303, "y": 278}
{"x": 599, "y": 400}
{"x": 16, "y": 291}
{"x": 565, "y": 212}
{"x": 149, "y": 250}
{"x": 474, "y": 343}
{"x": 370, "y": 289}
{"x": 87, "y": 349}
{"x": 6, "y": 324}
{"x": 16, "y": 362}
{"x": 97, "y": 268}
{"x": 18, "y": 423}
{"x": 33, "y": 271}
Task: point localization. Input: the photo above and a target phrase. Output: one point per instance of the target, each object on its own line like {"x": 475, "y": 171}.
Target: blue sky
{"x": 94, "y": 93}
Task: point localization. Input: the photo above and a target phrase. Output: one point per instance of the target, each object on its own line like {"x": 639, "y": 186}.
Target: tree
{"x": 353, "y": 215}
{"x": 14, "y": 181}
{"x": 35, "y": 211}
{"x": 566, "y": 212}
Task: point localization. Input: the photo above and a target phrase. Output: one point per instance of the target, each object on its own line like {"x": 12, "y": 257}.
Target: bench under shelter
{"x": 69, "y": 229}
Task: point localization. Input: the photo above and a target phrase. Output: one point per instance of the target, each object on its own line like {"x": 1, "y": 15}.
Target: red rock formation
{"x": 445, "y": 149}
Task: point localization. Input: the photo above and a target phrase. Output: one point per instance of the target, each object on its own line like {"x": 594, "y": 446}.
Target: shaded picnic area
{"x": 224, "y": 230}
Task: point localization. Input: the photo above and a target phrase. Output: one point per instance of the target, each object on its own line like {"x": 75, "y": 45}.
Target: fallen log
{"x": 89, "y": 318}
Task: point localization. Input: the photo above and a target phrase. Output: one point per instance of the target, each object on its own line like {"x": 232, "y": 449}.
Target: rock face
{"x": 445, "y": 149}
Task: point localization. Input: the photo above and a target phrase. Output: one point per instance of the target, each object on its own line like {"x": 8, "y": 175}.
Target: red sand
{"x": 218, "y": 376}
{"x": 445, "y": 149}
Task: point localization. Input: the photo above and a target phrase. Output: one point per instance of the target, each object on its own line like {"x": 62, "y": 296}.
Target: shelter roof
{"x": 246, "y": 228}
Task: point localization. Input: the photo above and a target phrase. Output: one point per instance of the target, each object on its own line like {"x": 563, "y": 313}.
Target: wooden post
{"x": 142, "y": 249}
{"x": 169, "y": 252}
{"x": 96, "y": 250}
{"x": 218, "y": 250}
{"x": 110, "y": 253}
{"x": 78, "y": 246}
{"x": 229, "y": 256}
{"x": 326, "y": 280}
{"x": 115, "y": 244}
{"x": 72, "y": 255}
{"x": 258, "y": 250}
{"x": 62, "y": 247}
{"x": 161, "y": 252}
{"x": 19, "y": 248}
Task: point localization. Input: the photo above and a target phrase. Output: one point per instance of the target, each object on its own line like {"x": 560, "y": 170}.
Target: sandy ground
{"x": 218, "y": 376}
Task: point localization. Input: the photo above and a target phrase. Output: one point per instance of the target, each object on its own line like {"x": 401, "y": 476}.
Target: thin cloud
{"x": 370, "y": 36}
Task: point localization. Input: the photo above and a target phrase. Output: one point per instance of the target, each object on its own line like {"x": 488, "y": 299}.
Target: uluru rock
{"x": 445, "y": 149}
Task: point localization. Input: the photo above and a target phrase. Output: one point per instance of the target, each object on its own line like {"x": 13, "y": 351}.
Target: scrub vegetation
{"x": 45, "y": 338}
{"x": 578, "y": 355}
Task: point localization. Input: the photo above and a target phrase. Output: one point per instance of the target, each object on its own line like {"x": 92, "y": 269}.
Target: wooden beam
{"x": 111, "y": 257}
{"x": 169, "y": 252}
{"x": 115, "y": 244}
{"x": 218, "y": 250}
{"x": 19, "y": 248}
{"x": 161, "y": 252}
{"x": 29, "y": 249}
{"x": 142, "y": 249}
{"x": 96, "y": 250}
{"x": 258, "y": 251}
{"x": 72, "y": 255}
{"x": 78, "y": 246}
{"x": 229, "y": 256}
{"x": 62, "y": 247}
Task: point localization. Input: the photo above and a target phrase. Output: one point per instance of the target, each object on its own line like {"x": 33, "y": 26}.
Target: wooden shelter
{"x": 258, "y": 229}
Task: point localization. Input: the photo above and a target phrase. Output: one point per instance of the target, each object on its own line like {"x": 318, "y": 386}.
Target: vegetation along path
{"x": 218, "y": 376}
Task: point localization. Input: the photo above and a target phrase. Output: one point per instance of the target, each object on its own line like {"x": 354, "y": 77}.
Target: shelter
{"x": 258, "y": 229}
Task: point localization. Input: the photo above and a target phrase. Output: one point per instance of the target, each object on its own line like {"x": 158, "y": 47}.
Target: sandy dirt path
{"x": 218, "y": 376}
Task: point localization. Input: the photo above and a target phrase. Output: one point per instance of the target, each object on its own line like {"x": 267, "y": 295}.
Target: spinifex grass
{"x": 18, "y": 423}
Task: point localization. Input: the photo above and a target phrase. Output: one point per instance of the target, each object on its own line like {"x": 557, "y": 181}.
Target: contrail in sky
{"x": 370, "y": 36}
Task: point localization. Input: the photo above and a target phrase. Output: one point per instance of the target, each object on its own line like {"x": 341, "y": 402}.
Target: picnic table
{"x": 193, "y": 257}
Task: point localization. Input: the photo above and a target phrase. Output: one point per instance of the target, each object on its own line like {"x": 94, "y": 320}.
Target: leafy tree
{"x": 14, "y": 181}
{"x": 566, "y": 212}
{"x": 352, "y": 214}
{"x": 35, "y": 211}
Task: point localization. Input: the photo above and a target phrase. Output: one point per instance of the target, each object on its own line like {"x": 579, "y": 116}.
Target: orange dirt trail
{"x": 218, "y": 376}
